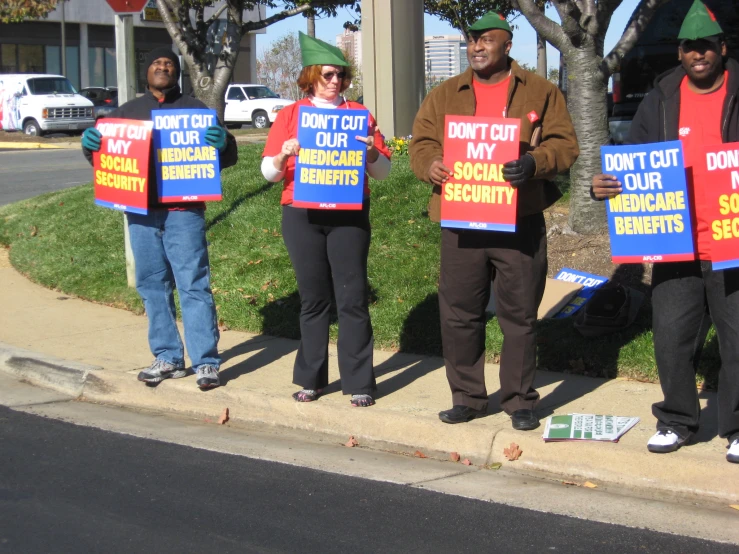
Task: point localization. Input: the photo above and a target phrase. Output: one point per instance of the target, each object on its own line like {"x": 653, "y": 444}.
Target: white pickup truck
{"x": 39, "y": 103}
{"x": 255, "y": 104}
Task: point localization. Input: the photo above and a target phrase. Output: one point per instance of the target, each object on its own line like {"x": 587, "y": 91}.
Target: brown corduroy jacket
{"x": 550, "y": 140}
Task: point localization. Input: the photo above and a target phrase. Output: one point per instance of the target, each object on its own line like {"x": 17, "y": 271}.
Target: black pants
{"x": 686, "y": 297}
{"x": 331, "y": 247}
{"x": 517, "y": 264}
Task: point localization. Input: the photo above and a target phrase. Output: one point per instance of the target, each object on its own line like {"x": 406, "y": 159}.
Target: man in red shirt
{"x": 495, "y": 86}
{"x": 696, "y": 103}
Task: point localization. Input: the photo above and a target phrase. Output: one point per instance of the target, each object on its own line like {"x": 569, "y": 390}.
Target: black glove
{"x": 518, "y": 172}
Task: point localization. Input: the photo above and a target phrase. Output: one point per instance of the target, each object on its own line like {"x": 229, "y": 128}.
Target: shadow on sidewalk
{"x": 271, "y": 350}
{"x": 421, "y": 334}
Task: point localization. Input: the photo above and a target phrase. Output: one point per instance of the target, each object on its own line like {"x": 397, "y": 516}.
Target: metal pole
{"x": 126, "y": 72}
{"x": 64, "y": 44}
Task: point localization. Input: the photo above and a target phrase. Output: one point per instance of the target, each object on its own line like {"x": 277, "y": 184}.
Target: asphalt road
{"x": 28, "y": 173}
{"x": 67, "y": 488}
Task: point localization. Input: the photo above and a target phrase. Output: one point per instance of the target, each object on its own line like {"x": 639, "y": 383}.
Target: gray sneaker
{"x": 161, "y": 370}
{"x": 207, "y": 376}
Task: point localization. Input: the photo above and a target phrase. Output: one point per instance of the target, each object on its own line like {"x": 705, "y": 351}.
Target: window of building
{"x": 96, "y": 59}
{"x": 111, "y": 68}
{"x": 30, "y": 58}
{"x": 8, "y": 56}
{"x": 53, "y": 61}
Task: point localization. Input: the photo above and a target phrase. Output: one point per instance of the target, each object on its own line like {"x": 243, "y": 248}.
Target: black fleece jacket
{"x": 658, "y": 116}
{"x": 140, "y": 109}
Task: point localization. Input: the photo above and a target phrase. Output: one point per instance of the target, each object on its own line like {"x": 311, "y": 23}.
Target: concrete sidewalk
{"x": 95, "y": 352}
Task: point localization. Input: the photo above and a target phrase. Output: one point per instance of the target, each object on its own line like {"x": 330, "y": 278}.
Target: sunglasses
{"x": 331, "y": 74}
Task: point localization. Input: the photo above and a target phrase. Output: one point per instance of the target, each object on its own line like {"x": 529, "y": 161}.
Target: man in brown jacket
{"x": 495, "y": 86}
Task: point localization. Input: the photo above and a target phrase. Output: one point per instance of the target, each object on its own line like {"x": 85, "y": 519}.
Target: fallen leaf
{"x": 466, "y": 462}
{"x": 735, "y": 506}
{"x": 494, "y": 466}
{"x": 419, "y": 454}
{"x": 400, "y": 300}
{"x": 589, "y": 485}
{"x": 571, "y": 483}
{"x": 411, "y": 221}
{"x": 513, "y": 452}
{"x": 224, "y": 417}
{"x": 61, "y": 203}
{"x": 454, "y": 457}
{"x": 34, "y": 230}
{"x": 352, "y": 442}
{"x": 258, "y": 262}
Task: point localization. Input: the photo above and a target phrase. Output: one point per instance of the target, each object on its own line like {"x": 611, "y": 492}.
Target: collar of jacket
{"x": 668, "y": 83}
{"x": 170, "y": 94}
{"x": 518, "y": 74}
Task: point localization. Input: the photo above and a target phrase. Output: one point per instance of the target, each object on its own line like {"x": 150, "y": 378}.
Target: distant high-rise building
{"x": 446, "y": 55}
{"x": 351, "y": 43}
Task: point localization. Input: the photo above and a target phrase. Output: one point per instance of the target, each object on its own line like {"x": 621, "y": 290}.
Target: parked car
{"x": 39, "y": 103}
{"x": 104, "y": 100}
{"x": 255, "y": 104}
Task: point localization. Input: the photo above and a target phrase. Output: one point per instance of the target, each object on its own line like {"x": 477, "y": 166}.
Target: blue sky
{"x": 524, "y": 37}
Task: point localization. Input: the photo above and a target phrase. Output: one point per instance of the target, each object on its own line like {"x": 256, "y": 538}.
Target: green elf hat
{"x": 491, "y": 20}
{"x": 699, "y": 23}
{"x": 317, "y": 52}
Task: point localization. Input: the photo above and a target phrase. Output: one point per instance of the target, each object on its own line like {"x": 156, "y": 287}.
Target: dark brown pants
{"x": 517, "y": 264}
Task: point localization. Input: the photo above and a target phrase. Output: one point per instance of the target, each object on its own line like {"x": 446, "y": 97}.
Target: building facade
{"x": 446, "y": 56}
{"x": 351, "y": 43}
{"x": 89, "y": 44}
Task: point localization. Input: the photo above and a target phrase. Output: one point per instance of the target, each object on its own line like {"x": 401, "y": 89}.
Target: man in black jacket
{"x": 169, "y": 244}
{"x": 697, "y": 104}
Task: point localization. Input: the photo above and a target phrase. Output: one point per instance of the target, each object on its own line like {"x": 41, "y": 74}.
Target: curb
{"x": 45, "y": 371}
{"x": 687, "y": 475}
{"x": 39, "y": 145}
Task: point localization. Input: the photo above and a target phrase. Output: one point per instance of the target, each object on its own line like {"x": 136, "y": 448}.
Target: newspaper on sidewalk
{"x": 588, "y": 427}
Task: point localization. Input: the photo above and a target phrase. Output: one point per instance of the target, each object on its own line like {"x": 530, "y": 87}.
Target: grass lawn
{"x": 63, "y": 241}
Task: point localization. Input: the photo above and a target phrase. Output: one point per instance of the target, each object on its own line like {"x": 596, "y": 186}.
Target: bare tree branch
{"x": 551, "y": 31}
{"x": 639, "y": 21}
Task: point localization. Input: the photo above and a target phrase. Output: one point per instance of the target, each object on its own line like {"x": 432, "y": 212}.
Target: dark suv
{"x": 104, "y": 100}
{"x": 656, "y": 52}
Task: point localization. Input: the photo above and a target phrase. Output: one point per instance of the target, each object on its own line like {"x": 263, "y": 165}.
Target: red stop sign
{"x": 127, "y": 6}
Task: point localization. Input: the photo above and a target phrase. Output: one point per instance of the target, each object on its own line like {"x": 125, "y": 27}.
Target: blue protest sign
{"x": 329, "y": 171}
{"x": 650, "y": 220}
{"x": 590, "y": 283}
{"x": 187, "y": 168}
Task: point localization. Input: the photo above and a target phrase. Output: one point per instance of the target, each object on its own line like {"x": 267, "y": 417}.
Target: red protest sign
{"x": 121, "y": 167}
{"x": 717, "y": 178}
{"x": 476, "y": 196}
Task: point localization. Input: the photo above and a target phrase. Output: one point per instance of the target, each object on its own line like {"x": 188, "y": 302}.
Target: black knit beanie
{"x": 163, "y": 52}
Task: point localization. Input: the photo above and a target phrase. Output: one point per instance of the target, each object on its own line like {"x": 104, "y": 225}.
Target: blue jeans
{"x": 170, "y": 250}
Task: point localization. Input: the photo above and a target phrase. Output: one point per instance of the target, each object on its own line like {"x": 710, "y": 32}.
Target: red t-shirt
{"x": 700, "y": 125}
{"x": 491, "y": 100}
{"x": 285, "y": 127}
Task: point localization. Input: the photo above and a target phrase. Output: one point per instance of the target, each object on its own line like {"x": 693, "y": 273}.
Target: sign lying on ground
{"x": 589, "y": 427}
{"x": 476, "y": 196}
{"x": 650, "y": 220}
{"x": 121, "y": 167}
{"x": 187, "y": 168}
{"x": 590, "y": 283}
{"x": 329, "y": 171}
{"x": 717, "y": 177}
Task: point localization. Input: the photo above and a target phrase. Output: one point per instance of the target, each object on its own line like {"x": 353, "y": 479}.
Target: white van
{"x": 255, "y": 104}
{"x": 39, "y": 103}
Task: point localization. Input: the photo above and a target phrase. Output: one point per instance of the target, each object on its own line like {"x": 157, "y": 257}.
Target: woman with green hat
{"x": 327, "y": 248}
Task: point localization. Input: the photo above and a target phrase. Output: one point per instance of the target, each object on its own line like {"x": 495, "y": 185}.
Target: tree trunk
{"x": 586, "y": 101}
{"x": 541, "y": 56}
{"x": 312, "y": 25}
